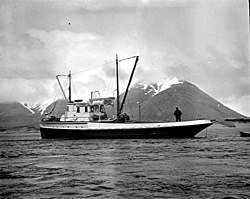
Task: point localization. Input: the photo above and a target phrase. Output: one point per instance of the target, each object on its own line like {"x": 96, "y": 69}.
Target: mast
{"x": 117, "y": 87}
{"x": 130, "y": 79}
{"x": 69, "y": 86}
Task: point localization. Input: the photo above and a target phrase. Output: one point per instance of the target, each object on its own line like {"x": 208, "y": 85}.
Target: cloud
{"x": 102, "y": 5}
{"x": 23, "y": 56}
{"x": 39, "y": 54}
{"x": 241, "y": 104}
{"x": 30, "y": 61}
{"x": 204, "y": 42}
{"x": 218, "y": 68}
{"x": 18, "y": 89}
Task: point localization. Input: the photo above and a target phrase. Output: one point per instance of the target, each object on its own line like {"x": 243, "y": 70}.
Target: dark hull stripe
{"x": 165, "y": 132}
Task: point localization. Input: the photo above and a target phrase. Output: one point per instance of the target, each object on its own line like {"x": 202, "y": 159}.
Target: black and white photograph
{"x": 124, "y": 99}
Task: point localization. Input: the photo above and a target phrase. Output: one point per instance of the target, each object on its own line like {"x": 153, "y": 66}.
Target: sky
{"x": 203, "y": 42}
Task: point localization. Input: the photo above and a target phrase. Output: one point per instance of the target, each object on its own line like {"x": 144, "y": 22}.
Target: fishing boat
{"x": 89, "y": 120}
{"x": 244, "y": 134}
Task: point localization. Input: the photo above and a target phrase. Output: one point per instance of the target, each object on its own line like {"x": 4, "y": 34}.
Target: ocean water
{"x": 215, "y": 164}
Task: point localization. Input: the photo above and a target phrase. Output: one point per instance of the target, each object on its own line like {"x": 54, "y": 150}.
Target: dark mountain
{"x": 157, "y": 102}
{"x": 159, "y": 105}
{"x": 15, "y": 114}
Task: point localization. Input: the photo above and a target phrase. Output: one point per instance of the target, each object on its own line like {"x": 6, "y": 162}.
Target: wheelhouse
{"x": 93, "y": 110}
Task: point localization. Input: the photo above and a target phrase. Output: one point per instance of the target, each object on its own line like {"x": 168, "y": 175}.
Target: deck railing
{"x": 66, "y": 119}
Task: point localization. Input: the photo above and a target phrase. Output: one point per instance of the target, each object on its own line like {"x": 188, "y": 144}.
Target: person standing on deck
{"x": 177, "y": 114}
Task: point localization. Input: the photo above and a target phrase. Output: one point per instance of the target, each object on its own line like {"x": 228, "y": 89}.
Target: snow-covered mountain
{"x": 19, "y": 114}
{"x": 156, "y": 88}
{"x": 38, "y": 107}
{"x": 157, "y": 102}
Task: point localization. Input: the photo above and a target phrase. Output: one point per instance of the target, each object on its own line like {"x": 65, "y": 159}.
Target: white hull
{"x": 86, "y": 130}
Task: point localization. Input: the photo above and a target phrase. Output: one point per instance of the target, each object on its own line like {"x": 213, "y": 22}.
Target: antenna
{"x": 69, "y": 86}
{"x": 117, "y": 87}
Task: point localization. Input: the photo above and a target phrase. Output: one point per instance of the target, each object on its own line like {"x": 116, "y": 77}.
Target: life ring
{"x": 74, "y": 117}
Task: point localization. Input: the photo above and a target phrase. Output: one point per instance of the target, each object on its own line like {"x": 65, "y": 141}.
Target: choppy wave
{"x": 213, "y": 167}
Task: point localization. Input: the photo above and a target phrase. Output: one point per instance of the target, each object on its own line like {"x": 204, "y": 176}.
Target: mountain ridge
{"x": 157, "y": 102}
{"x": 193, "y": 102}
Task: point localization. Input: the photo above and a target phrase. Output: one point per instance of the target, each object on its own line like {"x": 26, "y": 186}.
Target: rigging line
{"x": 52, "y": 111}
{"x": 111, "y": 84}
{"x": 127, "y": 58}
{"x": 110, "y": 87}
{"x": 92, "y": 68}
{"x": 130, "y": 109}
{"x": 65, "y": 84}
{"x": 124, "y": 83}
{"x": 60, "y": 84}
{"x": 66, "y": 87}
{"x": 55, "y": 100}
{"x": 120, "y": 60}
{"x": 139, "y": 97}
{"x": 121, "y": 74}
{"x": 73, "y": 87}
{"x": 56, "y": 90}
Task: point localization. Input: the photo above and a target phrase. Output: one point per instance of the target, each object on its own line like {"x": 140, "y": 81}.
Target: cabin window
{"x": 78, "y": 109}
{"x": 96, "y": 108}
{"x": 102, "y": 110}
{"x": 86, "y": 109}
{"x": 70, "y": 108}
{"x": 92, "y": 109}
